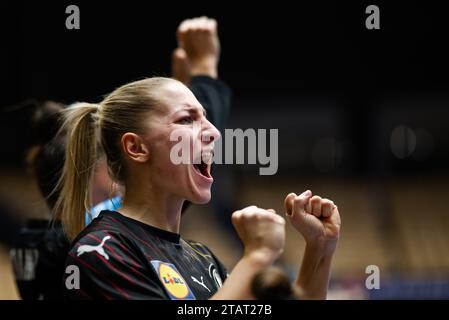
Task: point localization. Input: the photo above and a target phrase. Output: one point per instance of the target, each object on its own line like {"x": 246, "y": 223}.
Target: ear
{"x": 134, "y": 147}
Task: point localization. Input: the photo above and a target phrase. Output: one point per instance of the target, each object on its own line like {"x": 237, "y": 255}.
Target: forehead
{"x": 175, "y": 97}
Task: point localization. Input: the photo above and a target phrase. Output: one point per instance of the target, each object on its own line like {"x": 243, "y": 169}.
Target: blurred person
{"x": 39, "y": 251}
{"x": 272, "y": 284}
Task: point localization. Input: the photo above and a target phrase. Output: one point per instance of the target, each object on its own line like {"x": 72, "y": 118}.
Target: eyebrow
{"x": 193, "y": 109}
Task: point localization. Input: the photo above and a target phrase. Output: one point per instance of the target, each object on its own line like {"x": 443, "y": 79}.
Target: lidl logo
{"x": 168, "y": 279}
{"x": 175, "y": 285}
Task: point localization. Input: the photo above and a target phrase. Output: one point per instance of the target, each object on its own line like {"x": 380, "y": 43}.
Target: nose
{"x": 210, "y": 132}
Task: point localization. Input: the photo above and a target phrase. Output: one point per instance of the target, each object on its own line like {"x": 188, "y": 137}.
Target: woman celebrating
{"x": 196, "y": 66}
{"x": 137, "y": 253}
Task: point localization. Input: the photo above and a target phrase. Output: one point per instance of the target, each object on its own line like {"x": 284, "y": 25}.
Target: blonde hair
{"x": 89, "y": 125}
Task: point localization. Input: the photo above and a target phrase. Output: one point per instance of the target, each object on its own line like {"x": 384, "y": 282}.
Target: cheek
{"x": 161, "y": 160}
{"x": 180, "y": 145}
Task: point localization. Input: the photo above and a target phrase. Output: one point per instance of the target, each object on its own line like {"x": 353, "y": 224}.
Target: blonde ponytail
{"x": 80, "y": 155}
{"x": 124, "y": 110}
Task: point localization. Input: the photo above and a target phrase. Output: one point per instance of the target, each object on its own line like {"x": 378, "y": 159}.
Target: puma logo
{"x": 200, "y": 283}
{"x": 99, "y": 248}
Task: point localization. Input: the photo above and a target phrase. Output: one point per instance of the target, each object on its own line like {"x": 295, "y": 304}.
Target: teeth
{"x": 207, "y": 157}
{"x": 204, "y": 157}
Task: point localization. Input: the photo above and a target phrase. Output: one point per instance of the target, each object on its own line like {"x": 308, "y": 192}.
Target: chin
{"x": 201, "y": 198}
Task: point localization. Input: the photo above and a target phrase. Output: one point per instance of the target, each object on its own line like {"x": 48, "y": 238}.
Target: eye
{"x": 185, "y": 120}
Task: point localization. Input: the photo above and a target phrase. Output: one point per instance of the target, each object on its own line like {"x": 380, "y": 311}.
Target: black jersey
{"x": 122, "y": 258}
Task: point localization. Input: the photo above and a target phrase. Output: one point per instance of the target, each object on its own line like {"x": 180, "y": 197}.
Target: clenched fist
{"x": 317, "y": 219}
{"x": 198, "y": 49}
{"x": 261, "y": 231}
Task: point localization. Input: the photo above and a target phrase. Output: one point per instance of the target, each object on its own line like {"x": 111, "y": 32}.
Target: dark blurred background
{"x": 363, "y": 115}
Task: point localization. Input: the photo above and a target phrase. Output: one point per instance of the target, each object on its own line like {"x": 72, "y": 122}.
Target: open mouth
{"x": 203, "y": 169}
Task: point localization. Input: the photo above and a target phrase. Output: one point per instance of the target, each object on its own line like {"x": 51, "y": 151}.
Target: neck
{"x": 144, "y": 203}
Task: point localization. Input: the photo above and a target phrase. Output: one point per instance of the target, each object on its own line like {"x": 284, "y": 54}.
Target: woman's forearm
{"x": 313, "y": 276}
